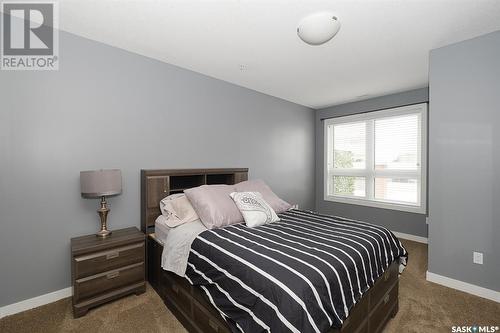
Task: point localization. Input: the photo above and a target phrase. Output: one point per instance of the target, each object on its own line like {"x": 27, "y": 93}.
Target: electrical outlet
{"x": 477, "y": 258}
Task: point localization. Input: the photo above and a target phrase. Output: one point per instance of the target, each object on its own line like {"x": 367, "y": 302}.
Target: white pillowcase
{"x": 178, "y": 210}
{"x": 255, "y": 210}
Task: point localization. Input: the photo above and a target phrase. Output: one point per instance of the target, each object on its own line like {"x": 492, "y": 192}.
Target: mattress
{"x": 302, "y": 274}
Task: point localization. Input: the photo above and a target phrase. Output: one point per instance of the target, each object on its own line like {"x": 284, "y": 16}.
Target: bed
{"x": 191, "y": 300}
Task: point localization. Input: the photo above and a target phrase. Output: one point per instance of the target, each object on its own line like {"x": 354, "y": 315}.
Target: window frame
{"x": 369, "y": 172}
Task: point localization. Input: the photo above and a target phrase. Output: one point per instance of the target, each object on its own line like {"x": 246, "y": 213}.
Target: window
{"x": 378, "y": 158}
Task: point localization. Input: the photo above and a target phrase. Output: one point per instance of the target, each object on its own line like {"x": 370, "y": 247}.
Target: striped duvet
{"x": 302, "y": 274}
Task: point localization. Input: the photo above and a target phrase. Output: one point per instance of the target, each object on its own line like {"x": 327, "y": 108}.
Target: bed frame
{"x": 190, "y": 305}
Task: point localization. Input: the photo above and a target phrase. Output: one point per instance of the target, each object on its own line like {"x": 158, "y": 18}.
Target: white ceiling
{"x": 382, "y": 46}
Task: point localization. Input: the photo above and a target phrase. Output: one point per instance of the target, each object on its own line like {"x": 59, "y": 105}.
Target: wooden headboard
{"x": 157, "y": 184}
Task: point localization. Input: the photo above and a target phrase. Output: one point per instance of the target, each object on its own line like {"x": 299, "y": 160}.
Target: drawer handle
{"x": 113, "y": 275}
{"x": 213, "y": 325}
{"x": 387, "y": 275}
{"x": 112, "y": 255}
{"x": 386, "y": 299}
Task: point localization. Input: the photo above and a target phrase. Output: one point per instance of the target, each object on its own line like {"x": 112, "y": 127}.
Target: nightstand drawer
{"x": 104, "y": 261}
{"x": 99, "y": 283}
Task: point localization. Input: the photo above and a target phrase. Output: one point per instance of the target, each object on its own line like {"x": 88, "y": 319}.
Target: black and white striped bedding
{"x": 302, "y": 274}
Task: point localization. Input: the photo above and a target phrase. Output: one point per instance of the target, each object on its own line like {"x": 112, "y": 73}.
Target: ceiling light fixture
{"x": 318, "y": 28}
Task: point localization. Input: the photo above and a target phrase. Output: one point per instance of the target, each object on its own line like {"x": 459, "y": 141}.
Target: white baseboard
{"x": 414, "y": 238}
{"x": 464, "y": 286}
{"x": 34, "y": 302}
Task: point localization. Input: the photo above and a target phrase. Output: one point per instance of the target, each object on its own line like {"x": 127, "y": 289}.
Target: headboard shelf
{"x": 183, "y": 182}
{"x": 157, "y": 184}
{"x": 227, "y": 178}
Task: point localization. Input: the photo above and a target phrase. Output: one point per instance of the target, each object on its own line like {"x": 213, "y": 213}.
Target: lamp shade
{"x": 99, "y": 183}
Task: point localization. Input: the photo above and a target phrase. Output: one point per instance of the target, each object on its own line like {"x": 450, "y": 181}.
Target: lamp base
{"x": 103, "y": 233}
{"x": 103, "y": 214}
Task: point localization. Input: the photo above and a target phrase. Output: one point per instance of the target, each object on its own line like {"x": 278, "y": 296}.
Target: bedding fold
{"x": 177, "y": 245}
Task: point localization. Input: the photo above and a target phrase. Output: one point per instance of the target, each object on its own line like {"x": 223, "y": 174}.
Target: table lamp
{"x": 101, "y": 184}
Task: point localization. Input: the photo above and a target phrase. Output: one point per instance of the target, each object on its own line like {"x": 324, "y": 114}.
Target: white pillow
{"x": 255, "y": 210}
{"x": 178, "y": 210}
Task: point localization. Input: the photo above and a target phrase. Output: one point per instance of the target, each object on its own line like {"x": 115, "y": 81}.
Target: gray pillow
{"x": 214, "y": 205}
{"x": 260, "y": 186}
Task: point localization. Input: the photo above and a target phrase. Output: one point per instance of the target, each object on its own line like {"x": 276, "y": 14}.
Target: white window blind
{"x": 378, "y": 158}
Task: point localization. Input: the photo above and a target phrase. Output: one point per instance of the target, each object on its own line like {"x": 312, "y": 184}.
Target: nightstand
{"x": 104, "y": 269}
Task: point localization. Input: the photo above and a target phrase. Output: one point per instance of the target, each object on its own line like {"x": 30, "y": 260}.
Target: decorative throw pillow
{"x": 214, "y": 206}
{"x": 260, "y": 186}
{"x": 177, "y": 210}
{"x": 255, "y": 210}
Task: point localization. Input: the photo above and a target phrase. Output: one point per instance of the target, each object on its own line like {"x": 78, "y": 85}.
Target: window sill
{"x": 377, "y": 204}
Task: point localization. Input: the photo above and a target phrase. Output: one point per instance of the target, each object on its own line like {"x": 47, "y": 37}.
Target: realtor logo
{"x": 29, "y": 36}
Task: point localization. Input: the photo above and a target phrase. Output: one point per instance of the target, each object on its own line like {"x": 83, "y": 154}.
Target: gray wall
{"x": 409, "y": 223}
{"x": 464, "y": 156}
{"x": 108, "y": 108}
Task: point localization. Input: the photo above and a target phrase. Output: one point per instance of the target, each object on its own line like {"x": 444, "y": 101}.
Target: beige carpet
{"x": 424, "y": 307}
